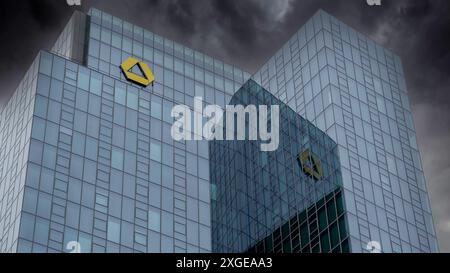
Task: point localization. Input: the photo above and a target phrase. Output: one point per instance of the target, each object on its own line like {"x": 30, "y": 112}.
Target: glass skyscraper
{"x": 87, "y": 156}
{"x": 257, "y": 193}
{"x": 355, "y": 91}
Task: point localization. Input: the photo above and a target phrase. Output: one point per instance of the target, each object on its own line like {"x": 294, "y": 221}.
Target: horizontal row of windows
{"x": 142, "y": 36}
{"x": 124, "y": 208}
{"x": 37, "y": 230}
{"x": 121, "y": 160}
{"x": 44, "y": 179}
{"x": 166, "y": 70}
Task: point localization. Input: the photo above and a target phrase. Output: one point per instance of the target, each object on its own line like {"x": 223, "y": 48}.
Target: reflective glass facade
{"x": 256, "y": 192}
{"x": 87, "y": 156}
{"x": 15, "y": 131}
{"x": 321, "y": 228}
{"x": 354, "y": 90}
{"x": 101, "y": 166}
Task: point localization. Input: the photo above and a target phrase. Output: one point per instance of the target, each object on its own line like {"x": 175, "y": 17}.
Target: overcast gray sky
{"x": 248, "y": 32}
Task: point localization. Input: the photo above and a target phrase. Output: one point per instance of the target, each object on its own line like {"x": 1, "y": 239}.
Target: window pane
{"x": 82, "y": 100}
{"x": 74, "y": 192}
{"x": 96, "y": 83}
{"x": 154, "y": 222}
{"x": 44, "y": 205}
{"x": 117, "y": 159}
{"x": 91, "y": 148}
{"x": 38, "y": 131}
{"x": 27, "y": 226}
{"x": 155, "y": 151}
{"x": 156, "y": 109}
{"x": 41, "y": 231}
{"x": 83, "y": 78}
{"x": 113, "y": 231}
{"x": 78, "y": 143}
{"x": 46, "y": 63}
{"x": 132, "y": 98}
{"x": 30, "y": 200}
{"x": 47, "y": 179}
{"x": 120, "y": 94}
{"x": 76, "y": 167}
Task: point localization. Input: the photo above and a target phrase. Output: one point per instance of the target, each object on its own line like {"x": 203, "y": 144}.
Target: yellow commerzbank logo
{"x": 310, "y": 165}
{"x": 144, "y": 80}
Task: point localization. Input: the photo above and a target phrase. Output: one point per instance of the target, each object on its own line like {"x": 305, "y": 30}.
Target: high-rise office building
{"x": 355, "y": 91}
{"x": 87, "y": 155}
{"x": 287, "y": 200}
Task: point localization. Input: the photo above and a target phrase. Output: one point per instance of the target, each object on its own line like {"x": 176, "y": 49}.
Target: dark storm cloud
{"x": 26, "y": 27}
{"x": 247, "y": 32}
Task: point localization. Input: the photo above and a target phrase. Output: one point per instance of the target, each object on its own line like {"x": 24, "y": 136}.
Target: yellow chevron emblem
{"x": 130, "y": 63}
{"x": 310, "y": 165}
